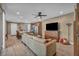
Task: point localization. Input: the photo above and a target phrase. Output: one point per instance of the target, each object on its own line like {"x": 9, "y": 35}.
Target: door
{"x": 76, "y": 33}
{"x": 13, "y": 28}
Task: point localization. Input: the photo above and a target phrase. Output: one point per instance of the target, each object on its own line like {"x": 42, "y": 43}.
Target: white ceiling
{"x": 27, "y": 9}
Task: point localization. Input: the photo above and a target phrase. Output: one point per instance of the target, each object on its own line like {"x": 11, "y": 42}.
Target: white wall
{"x": 1, "y": 30}
{"x": 27, "y": 27}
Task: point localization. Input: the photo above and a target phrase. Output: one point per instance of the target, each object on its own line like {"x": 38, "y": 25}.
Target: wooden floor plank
{"x": 16, "y": 48}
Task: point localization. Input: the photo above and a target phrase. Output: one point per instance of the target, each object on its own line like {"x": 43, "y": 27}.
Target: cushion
{"x": 48, "y": 40}
{"x": 63, "y": 40}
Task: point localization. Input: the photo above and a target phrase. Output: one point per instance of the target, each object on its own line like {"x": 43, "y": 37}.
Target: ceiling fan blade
{"x": 43, "y": 15}
{"x": 39, "y": 15}
{"x": 35, "y": 16}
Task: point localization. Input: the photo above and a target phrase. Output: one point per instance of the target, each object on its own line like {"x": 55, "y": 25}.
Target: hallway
{"x": 15, "y": 47}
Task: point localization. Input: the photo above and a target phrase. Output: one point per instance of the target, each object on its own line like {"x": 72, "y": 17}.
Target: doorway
{"x": 11, "y": 29}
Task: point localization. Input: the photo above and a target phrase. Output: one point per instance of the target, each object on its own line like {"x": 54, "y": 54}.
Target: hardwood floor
{"x": 15, "y": 47}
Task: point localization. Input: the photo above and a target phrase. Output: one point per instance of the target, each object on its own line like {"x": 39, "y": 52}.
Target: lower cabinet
{"x": 38, "y": 45}
{"x": 35, "y": 45}
{"x": 64, "y": 50}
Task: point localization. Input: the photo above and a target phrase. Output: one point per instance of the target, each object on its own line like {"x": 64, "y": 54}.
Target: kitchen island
{"x": 39, "y": 45}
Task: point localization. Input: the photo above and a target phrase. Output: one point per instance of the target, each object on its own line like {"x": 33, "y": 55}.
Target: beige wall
{"x": 63, "y": 20}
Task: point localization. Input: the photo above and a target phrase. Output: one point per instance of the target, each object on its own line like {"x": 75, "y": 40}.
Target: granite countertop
{"x": 35, "y": 35}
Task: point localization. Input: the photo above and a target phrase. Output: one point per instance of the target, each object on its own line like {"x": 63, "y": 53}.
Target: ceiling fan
{"x": 39, "y": 15}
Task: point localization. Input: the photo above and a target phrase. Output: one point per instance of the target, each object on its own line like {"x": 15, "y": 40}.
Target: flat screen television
{"x": 52, "y": 26}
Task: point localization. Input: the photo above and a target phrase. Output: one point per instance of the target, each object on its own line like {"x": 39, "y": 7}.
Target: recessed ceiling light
{"x": 18, "y": 13}
{"x": 61, "y": 12}
{"x": 21, "y": 17}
